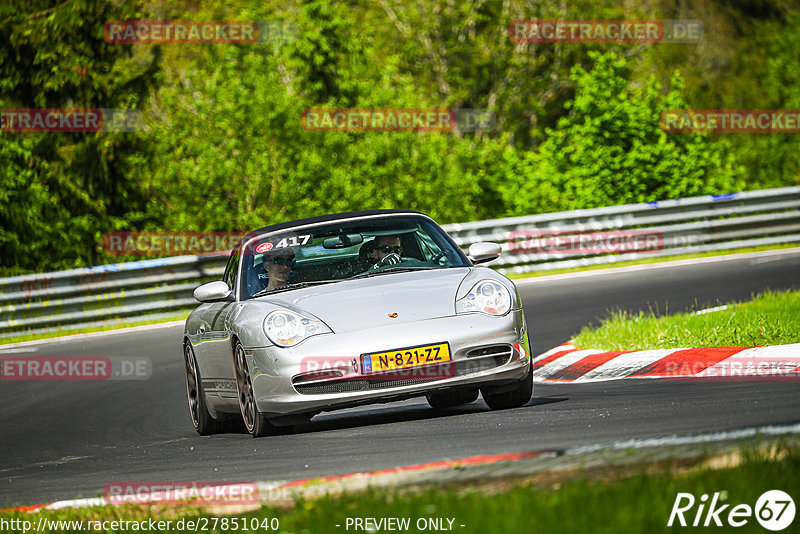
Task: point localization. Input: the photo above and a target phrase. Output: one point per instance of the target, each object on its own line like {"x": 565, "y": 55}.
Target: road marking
{"x": 584, "y": 365}
{"x": 390, "y": 475}
{"x": 707, "y": 437}
{"x": 553, "y": 367}
{"x": 697, "y": 360}
{"x": 564, "y": 364}
{"x": 624, "y": 365}
{"x": 88, "y": 335}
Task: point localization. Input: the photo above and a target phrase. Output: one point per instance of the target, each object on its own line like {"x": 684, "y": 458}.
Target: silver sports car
{"x": 348, "y": 309}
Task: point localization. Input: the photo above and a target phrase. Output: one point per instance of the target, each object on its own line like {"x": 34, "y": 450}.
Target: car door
{"x": 213, "y": 346}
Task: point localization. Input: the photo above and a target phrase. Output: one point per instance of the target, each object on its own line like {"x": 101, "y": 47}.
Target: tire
{"x": 254, "y": 421}
{"x": 440, "y": 401}
{"x": 514, "y": 398}
{"x": 202, "y": 420}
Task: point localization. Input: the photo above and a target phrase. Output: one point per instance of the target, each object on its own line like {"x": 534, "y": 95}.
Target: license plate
{"x": 405, "y": 358}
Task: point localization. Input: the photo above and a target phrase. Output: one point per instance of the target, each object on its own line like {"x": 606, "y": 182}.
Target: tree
{"x": 231, "y": 153}
{"x": 59, "y": 192}
{"x": 610, "y": 149}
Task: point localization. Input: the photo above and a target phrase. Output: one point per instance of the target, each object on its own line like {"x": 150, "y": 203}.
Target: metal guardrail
{"x": 119, "y": 292}
{"x": 687, "y": 226}
{"x": 94, "y": 295}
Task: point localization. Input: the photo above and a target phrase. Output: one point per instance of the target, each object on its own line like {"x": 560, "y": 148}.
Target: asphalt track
{"x": 61, "y": 440}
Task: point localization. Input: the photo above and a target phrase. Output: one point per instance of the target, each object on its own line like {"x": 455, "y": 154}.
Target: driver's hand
{"x": 391, "y": 259}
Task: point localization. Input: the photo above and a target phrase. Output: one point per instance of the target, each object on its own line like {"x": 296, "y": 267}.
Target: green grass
{"x": 654, "y": 259}
{"x": 600, "y": 500}
{"x": 66, "y": 331}
{"x": 771, "y": 318}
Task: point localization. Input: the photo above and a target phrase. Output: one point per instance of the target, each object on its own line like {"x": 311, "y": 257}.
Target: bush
{"x": 610, "y": 149}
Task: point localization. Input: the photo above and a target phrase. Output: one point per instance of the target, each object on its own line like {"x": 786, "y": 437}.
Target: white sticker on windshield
{"x": 294, "y": 241}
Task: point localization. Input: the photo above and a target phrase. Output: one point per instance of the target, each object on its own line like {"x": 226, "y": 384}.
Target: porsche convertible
{"x": 347, "y": 309}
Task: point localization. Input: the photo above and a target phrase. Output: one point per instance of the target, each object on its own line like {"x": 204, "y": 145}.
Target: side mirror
{"x": 212, "y": 292}
{"x": 483, "y": 252}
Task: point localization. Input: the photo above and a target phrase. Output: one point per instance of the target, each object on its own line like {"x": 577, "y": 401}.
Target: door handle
{"x": 202, "y": 329}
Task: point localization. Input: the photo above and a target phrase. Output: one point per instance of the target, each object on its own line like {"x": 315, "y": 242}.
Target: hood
{"x": 359, "y": 304}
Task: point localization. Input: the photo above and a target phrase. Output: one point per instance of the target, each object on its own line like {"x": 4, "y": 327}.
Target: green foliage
{"x": 610, "y": 149}
{"x": 23, "y": 199}
{"x": 223, "y": 147}
{"x": 232, "y": 154}
{"x": 747, "y": 60}
{"x": 773, "y": 160}
{"x": 460, "y": 55}
{"x": 59, "y": 192}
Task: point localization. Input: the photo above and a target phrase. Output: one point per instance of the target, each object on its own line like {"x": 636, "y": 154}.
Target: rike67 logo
{"x": 774, "y": 510}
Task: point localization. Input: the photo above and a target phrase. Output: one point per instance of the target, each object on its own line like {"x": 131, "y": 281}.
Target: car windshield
{"x": 342, "y": 250}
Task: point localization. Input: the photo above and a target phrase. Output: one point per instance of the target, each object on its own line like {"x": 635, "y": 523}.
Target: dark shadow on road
{"x": 397, "y": 414}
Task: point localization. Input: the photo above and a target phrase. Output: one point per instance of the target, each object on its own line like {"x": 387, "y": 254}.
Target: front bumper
{"x": 273, "y": 369}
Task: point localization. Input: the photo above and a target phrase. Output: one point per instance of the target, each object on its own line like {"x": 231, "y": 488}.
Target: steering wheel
{"x": 437, "y": 258}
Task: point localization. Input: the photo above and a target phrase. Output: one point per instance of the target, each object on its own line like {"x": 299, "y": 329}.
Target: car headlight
{"x": 487, "y": 296}
{"x": 286, "y": 328}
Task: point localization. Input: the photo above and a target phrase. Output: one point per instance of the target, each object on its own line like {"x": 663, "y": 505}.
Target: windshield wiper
{"x": 298, "y": 285}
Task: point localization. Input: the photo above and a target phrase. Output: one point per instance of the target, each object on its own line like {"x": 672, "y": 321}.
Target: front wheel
{"x": 513, "y": 398}
{"x": 254, "y": 422}
{"x": 202, "y": 420}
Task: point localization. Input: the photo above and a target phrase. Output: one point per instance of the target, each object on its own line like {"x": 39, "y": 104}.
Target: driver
{"x": 388, "y": 250}
{"x": 278, "y": 264}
